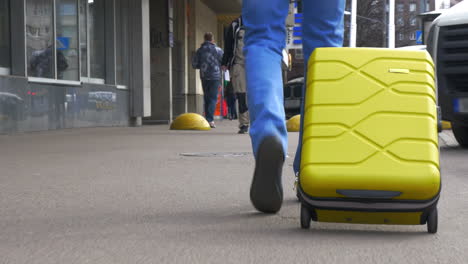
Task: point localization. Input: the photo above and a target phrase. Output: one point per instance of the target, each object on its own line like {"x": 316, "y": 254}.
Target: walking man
{"x": 264, "y": 22}
{"x": 233, "y": 60}
{"x": 208, "y": 60}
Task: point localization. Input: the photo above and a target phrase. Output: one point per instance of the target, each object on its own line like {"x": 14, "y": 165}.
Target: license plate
{"x": 292, "y": 104}
{"x": 461, "y": 105}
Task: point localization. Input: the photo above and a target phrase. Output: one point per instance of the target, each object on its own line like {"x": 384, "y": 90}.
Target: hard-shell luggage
{"x": 370, "y": 149}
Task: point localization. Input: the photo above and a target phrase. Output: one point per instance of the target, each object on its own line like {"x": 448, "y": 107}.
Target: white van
{"x": 447, "y": 42}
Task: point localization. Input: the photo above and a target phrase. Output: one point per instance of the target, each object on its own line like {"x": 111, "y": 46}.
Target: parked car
{"x": 447, "y": 42}
{"x": 11, "y": 107}
{"x": 293, "y": 97}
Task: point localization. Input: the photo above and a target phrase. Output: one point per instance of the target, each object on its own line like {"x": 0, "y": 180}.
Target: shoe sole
{"x": 266, "y": 191}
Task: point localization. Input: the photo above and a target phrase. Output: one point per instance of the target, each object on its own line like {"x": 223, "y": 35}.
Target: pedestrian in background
{"x": 233, "y": 60}
{"x": 265, "y": 38}
{"x": 208, "y": 61}
{"x": 231, "y": 100}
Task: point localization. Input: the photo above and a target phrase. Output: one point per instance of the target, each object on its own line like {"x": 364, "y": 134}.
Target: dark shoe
{"x": 243, "y": 129}
{"x": 266, "y": 191}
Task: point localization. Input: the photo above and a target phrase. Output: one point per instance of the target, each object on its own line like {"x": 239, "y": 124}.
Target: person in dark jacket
{"x": 42, "y": 63}
{"x": 208, "y": 61}
{"x": 233, "y": 60}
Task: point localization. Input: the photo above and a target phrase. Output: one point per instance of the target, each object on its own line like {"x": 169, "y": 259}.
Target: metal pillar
{"x": 353, "y": 29}
{"x": 391, "y": 24}
{"x": 140, "y": 78}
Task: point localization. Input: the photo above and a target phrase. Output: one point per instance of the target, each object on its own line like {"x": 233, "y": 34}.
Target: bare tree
{"x": 371, "y": 23}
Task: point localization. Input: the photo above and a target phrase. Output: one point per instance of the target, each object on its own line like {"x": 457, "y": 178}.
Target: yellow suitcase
{"x": 370, "y": 149}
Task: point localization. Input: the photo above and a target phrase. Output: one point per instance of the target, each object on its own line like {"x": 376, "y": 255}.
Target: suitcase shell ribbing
{"x": 370, "y": 129}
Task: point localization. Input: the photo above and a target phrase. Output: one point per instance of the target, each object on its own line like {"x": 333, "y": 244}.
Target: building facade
{"x": 372, "y": 22}
{"x": 372, "y": 26}
{"x": 407, "y": 23}
{"x": 84, "y": 63}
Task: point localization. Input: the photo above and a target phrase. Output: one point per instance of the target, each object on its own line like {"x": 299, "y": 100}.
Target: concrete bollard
{"x": 294, "y": 124}
{"x": 190, "y": 121}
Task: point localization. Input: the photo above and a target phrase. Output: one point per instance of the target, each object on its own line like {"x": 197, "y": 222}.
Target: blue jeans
{"x": 264, "y": 21}
{"x": 210, "y": 96}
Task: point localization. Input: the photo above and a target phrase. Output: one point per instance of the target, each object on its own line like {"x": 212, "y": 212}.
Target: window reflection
{"x": 11, "y": 107}
{"x": 39, "y": 38}
{"x": 102, "y": 100}
{"x": 76, "y": 48}
{"x": 67, "y": 40}
{"x": 96, "y": 24}
{"x": 121, "y": 25}
{"x": 83, "y": 6}
{"x": 4, "y": 36}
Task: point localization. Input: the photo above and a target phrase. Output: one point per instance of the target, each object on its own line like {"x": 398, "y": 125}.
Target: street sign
{"x": 294, "y": 34}
{"x": 419, "y": 37}
{"x": 63, "y": 43}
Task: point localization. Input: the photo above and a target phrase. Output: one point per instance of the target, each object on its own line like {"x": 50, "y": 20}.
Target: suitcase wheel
{"x": 432, "y": 221}
{"x": 306, "y": 217}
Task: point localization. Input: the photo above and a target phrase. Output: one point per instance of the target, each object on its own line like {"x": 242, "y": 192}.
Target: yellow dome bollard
{"x": 294, "y": 124}
{"x": 446, "y": 125}
{"x": 190, "y": 121}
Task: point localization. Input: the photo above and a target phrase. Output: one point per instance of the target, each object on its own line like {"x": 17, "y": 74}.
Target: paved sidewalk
{"x": 150, "y": 195}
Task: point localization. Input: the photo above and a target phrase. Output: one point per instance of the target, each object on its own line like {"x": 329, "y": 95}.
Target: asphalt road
{"x": 127, "y": 195}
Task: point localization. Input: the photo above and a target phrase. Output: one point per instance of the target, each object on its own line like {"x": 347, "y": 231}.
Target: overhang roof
{"x": 225, "y": 6}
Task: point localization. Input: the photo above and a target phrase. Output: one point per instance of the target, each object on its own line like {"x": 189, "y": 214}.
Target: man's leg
{"x": 212, "y": 91}
{"x": 232, "y": 106}
{"x": 229, "y": 110}
{"x": 264, "y": 41}
{"x": 264, "y": 21}
{"x": 205, "y": 99}
{"x": 244, "y": 120}
{"x": 322, "y": 27}
{"x": 240, "y": 87}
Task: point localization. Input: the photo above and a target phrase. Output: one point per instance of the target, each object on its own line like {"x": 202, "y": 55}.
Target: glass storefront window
{"x": 67, "y": 40}
{"x": 5, "y": 59}
{"x": 39, "y": 38}
{"x": 121, "y": 44}
{"x": 83, "y": 6}
{"x": 97, "y": 51}
{"x": 70, "y": 43}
